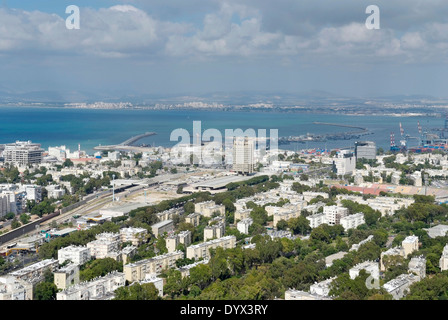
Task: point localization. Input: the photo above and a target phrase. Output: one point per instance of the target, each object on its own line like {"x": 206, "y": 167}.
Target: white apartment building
{"x": 22, "y": 153}
{"x": 243, "y": 225}
{"x": 5, "y": 205}
{"x": 158, "y": 282}
{"x": 243, "y": 155}
{"x": 334, "y": 214}
{"x": 201, "y": 250}
{"x": 193, "y": 219}
{"x": 409, "y": 244}
{"x": 317, "y": 219}
{"x": 137, "y": 271}
{"x": 183, "y": 237}
{"x": 35, "y": 272}
{"x": 161, "y": 227}
{"x": 12, "y": 288}
{"x": 242, "y": 214}
{"x": 208, "y": 208}
{"x": 443, "y": 262}
{"x": 417, "y": 265}
{"x": 100, "y": 249}
{"x": 370, "y": 267}
{"x": 397, "y": 251}
{"x": 292, "y": 294}
{"x": 55, "y": 191}
{"x": 352, "y": 221}
{"x": 76, "y": 254}
{"x": 344, "y": 163}
{"x": 322, "y": 288}
{"x": 399, "y": 286}
{"x": 98, "y": 289}
{"x": 66, "y": 276}
{"x": 214, "y": 231}
{"x": 134, "y": 235}
{"x": 108, "y": 236}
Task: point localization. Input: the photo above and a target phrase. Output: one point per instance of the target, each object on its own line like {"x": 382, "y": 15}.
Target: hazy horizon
{"x": 137, "y": 47}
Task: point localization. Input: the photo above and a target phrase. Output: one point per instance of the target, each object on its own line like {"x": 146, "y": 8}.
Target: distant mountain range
{"x": 315, "y": 97}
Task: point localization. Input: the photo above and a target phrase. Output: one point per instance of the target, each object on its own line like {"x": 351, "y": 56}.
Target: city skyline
{"x": 134, "y": 47}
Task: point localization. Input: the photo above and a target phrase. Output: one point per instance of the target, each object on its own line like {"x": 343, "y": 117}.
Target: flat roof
{"x": 162, "y": 223}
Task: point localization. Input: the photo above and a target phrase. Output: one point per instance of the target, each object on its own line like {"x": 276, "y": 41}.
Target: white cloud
{"x": 233, "y": 29}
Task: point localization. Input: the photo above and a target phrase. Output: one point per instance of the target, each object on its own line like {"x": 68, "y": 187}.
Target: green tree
{"x": 45, "y": 291}
{"x": 136, "y": 291}
{"x": 24, "y": 218}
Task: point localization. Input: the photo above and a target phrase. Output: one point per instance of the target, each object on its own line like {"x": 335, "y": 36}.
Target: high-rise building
{"x": 365, "y": 150}
{"x": 23, "y": 153}
{"x": 243, "y": 155}
{"x": 344, "y": 163}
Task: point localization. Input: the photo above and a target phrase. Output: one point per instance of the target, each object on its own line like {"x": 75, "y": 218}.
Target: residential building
{"x": 293, "y": 294}
{"x": 66, "y": 276}
{"x": 370, "y": 267}
{"x": 242, "y": 214}
{"x": 243, "y": 225}
{"x": 243, "y": 155}
{"x": 35, "y": 272}
{"x": 160, "y": 228}
{"x": 344, "y": 163}
{"x": 440, "y": 230}
{"x": 352, "y": 221}
{"x": 185, "y": 270}
{"x": 55, "y": 191}
{"x": 22, "y": 153}
{"x": 201, "y": 250}
{"x": 137, "y": 271}
{"x": 443, "y": 262}
{"x": 12, "y": 288}
{"x": 100, "y": 249}
{"x": 193, "y": 219}
{"x": 158, "y": 282}
{"x": 134, "y": 235}
{"x": 334, "y": 214}
{"x": 409, "y": 244}
{"x": 417, "y": 265}
{"x": 97, "y": 289}
{"x": 76, "y": 254}
{"x": 322, "y": 288}
{"x": 397, "y": 251}
{"x": 209, "y": 208}
{"x": 317, "y": 219}
{"x": 399, "y": 286}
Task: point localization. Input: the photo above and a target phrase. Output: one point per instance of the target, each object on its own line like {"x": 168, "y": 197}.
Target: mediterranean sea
{"x": 93, "y": 127}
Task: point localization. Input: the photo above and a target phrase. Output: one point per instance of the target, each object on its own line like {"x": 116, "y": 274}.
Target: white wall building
{"x": 352, "y": 221}
{"x": 243, "y": 225}
{"x": 98, "y": 289}
{"x": 443, "y": 262}
{"x": 76, "y": 254}
{"x": 370, "y": 267}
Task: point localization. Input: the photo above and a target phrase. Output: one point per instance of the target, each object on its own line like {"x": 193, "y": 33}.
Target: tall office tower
{"x": 23, "y": 153}
{"x": 243, "y": 155}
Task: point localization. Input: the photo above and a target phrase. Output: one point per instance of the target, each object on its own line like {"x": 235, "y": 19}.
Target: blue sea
{"x": 93, "y": 127}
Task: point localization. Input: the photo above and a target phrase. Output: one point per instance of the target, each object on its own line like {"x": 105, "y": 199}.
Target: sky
{"x": 135, "y": 47}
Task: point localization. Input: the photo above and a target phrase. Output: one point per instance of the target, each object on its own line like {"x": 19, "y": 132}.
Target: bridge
{"x": 126, "y": 144}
